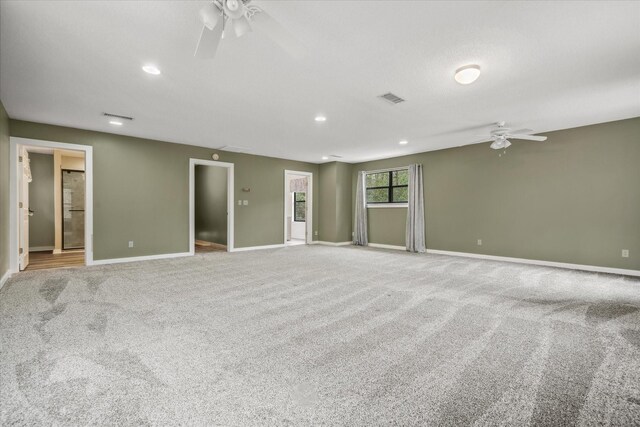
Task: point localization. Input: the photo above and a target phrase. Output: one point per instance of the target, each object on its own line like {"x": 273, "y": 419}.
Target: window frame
{"x": 390, "y": 203}
{"x": 295, "y": 205}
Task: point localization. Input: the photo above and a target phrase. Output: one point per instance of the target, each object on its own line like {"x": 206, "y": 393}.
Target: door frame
{"x": 230, "y": 201}
{"x": 309, "y": 201}
{"x": 14, "y": 233}
{"x": 62, "y": 171}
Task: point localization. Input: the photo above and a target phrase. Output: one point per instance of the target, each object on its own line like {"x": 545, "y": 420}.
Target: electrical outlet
{"x": 353, "y": 233}
{"x": 245, "y": 202}
{"x": 625, "y": 253}
{"x": 479, "y": 242}
{"x": 316, "y": 233}
{"x": 130, "y": 243}
{"x": 239, "y": 202}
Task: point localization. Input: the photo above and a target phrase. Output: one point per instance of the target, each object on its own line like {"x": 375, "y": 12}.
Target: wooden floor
{"x": 47, "y": 259}
{"x": 203, "y": 246}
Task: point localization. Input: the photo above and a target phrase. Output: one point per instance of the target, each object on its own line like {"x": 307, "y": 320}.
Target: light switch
{"x": 239, "y": 202}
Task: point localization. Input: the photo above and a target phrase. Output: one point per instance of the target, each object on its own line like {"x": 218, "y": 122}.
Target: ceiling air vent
{"x": 118, "y": 116}
{"x": 391, "y": 98}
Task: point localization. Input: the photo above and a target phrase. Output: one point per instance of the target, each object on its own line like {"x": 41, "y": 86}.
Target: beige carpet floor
{"x": 319, "y": 336}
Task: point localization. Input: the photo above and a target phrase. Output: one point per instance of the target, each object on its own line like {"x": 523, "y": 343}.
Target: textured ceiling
{"x": 545, "y": 66}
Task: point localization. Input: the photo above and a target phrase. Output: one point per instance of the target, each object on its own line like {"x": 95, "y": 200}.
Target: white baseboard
{"x": 381, "y": 246}
{"x": 5, "y": 277}
{"x": 139, "y": 258}
{"x": 57, "y": 251}
{"x": 40, "y": 248}
{"x": 593, "y": 268}
{"x": 320, "y": 242}
{"x": 257, "y": 248}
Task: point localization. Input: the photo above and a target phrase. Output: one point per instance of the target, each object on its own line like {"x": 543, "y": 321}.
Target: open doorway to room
{"x": 211, "y": 206}
{"x": 297, "y": 208}
{"x": 50, "y": 190}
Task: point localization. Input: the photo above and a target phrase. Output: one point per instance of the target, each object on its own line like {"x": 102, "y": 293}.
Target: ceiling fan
{"x": 235, "y": 18}
{"x": 501, "y": 136}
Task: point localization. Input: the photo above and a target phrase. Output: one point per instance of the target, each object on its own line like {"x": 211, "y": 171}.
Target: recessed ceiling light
{"x": 115, "y": 123}
{"x": 321, "y": 119}
{"x": 325, "y": 158}
{"x": 151, "y": 69}
{"x": 467, "y": 74}
{"x": 403, "y": 142}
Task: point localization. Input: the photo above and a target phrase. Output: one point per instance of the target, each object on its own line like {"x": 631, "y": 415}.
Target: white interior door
{"x": 24, "y": 176}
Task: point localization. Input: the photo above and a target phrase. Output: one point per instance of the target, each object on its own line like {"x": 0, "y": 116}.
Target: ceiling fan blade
{"x": 528, "y": 137}
{"x": 521, "y": 131}
{"x": 241, "y": 26}
{"x": 208, "y": 43}
{"x": 483, "y": 140}
{"x": 264, "y": 22}
{"x": 210, "y": 15}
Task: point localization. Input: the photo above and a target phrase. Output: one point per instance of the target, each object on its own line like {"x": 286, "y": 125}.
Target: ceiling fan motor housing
{"x": 234, "y": 8}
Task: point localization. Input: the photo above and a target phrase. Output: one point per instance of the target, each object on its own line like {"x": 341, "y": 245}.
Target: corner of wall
{"x": 4, "y": 194}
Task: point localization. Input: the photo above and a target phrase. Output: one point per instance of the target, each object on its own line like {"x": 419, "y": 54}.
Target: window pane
{"x": 400, "y": 194}
{"x": 377, "y": 195}
{"x": 378, "y": 179}
{"x": 400, "y": 177}
{"x": 300, "y": 197}
{"x": 300, "y": 211}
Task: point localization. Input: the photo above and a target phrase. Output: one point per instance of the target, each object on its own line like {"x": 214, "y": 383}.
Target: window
{"x": 299, "y": 207}
{"x": 388, "y": 187}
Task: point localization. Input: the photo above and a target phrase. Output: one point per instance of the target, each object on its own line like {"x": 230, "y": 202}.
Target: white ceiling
{"x": 545, "y": 66}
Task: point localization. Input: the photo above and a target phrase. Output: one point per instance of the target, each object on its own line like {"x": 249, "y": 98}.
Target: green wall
{"x": 327, "y": 218}
{"x": 574, "y": 198}
{"x": 211, "y": 204}
{"x": 335, "y": 202}
{"x": 141, "y": 191}
{"x": 41, "y": 188}
{"x": 4, "y": 191}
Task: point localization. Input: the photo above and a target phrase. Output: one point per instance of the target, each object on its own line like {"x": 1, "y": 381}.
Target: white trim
{"x": 140, "y": 258}
{"x": 230, "y": 201}
{"x": 593, "y": 268}
{"x": 387, "y": 205}
{"x": 320, "y": 242}
{"x": 382, "y": 246}
{"x": 257, "y": 248}
{"x": 14, "y": 143}
{"x": 6, "y": 276}
{"x": 40, "y": 248}
{"x": 309, "y": 218}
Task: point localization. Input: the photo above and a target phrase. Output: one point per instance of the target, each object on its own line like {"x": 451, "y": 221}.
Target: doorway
{"x": 298, "y": 196}
{"x": 50, "y": 189}
{"x": 211, "y": 206}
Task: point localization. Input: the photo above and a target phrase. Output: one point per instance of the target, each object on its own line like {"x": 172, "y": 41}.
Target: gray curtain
{"x": 415, "y": 211}
{"x": 360, "y": 237}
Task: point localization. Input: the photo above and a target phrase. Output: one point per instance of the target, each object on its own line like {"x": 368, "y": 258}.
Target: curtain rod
{"x": 387, "y": 169}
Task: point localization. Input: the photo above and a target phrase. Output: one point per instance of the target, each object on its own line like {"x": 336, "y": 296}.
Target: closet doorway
{"x": 298, "y": 196}
{"x": 211, "y": 206}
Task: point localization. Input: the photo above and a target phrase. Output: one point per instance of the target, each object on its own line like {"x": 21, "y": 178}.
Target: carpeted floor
{"x": 319, "y": 336}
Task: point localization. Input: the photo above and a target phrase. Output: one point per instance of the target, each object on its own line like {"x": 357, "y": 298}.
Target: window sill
{"x": 387, "y": 205}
